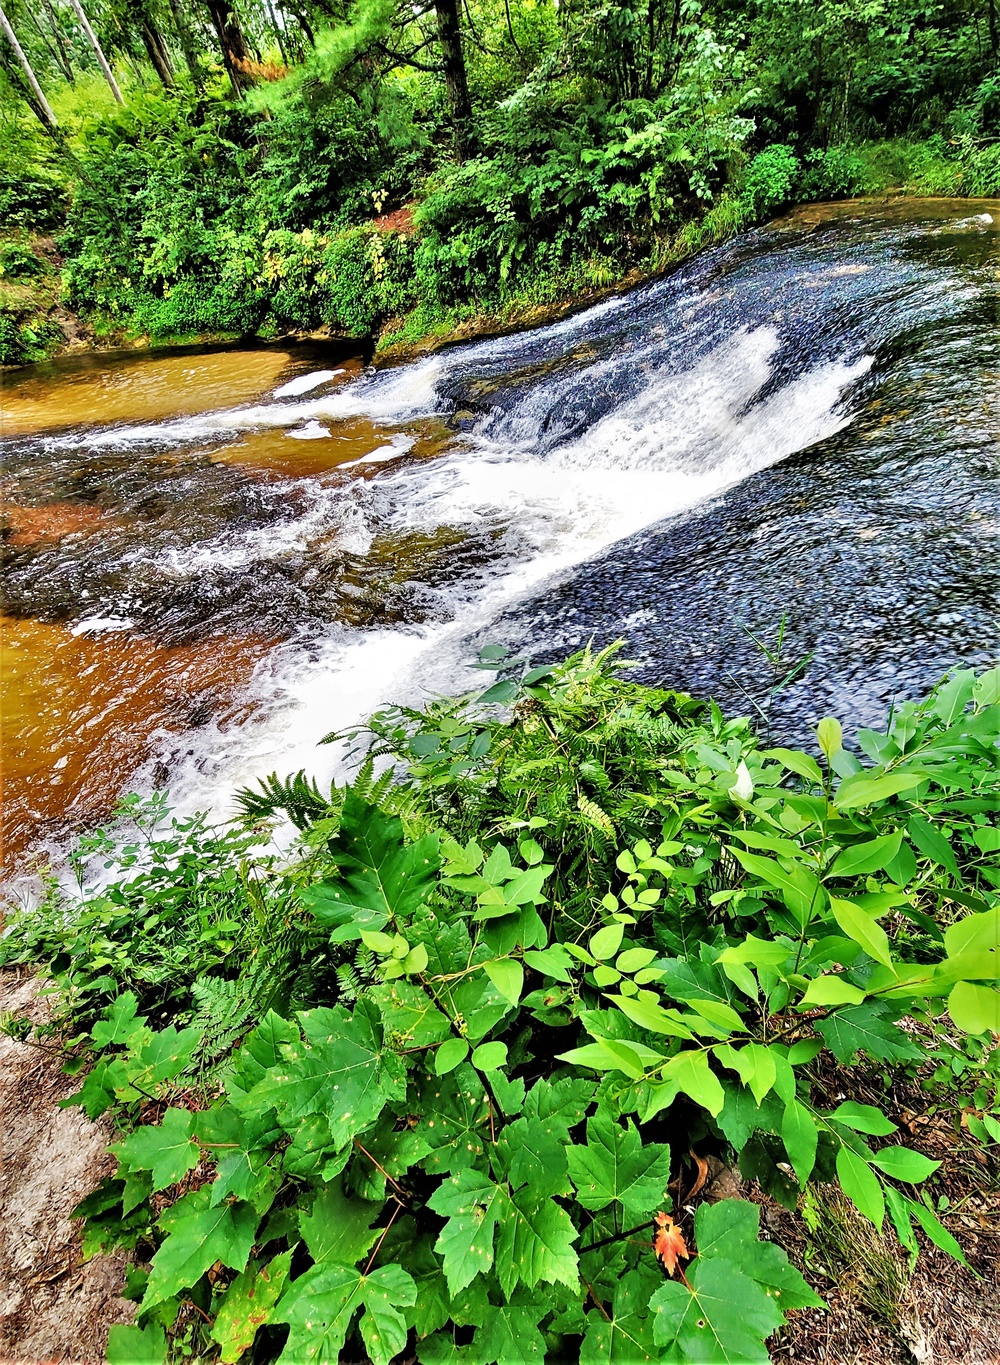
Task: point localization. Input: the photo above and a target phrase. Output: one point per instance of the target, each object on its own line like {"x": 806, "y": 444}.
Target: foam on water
{"x": 680, "y": 438}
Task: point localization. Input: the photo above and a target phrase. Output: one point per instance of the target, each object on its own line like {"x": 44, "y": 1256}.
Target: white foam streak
{"x": 681, "y": 439}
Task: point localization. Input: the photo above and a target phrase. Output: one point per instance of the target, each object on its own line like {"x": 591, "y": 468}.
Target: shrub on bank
{"x": 437, "y": 1082}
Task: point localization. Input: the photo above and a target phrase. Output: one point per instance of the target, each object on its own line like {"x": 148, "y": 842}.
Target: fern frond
{"x": 299, "y": 797}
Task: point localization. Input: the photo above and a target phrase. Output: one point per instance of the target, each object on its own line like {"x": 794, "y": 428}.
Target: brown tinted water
{"x": 84, "y": 696}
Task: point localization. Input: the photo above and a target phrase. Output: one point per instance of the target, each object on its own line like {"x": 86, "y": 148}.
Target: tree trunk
{"x": 29, "y": 74}
{"x": 455, "y": 79}
{"x": 187, "y": 45}
{"x": 156, "y": 50}
{"x": 57, "y": 33}
{"x": 233, "y": 44}
{"x": 102, "y": 61}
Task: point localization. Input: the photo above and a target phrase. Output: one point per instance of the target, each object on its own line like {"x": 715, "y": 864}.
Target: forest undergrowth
{"x": 242, "y": 168}
{"x": 443, "y": 1078}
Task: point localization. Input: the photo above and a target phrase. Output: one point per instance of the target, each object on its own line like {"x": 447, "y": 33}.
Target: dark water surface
{"x": 207, "y": 570}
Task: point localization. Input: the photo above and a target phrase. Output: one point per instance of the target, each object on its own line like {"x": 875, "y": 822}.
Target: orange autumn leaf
{"x": 669, "y": 1243}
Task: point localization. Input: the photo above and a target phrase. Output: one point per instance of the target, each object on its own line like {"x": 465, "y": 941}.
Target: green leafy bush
{"x": 19, "y": 262}
{"x": 553, "y": 954}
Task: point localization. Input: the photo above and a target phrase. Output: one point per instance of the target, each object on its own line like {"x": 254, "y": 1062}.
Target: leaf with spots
{"x": 338, "y": 1228}
{"x": 613, "y": 1340}
{"x": 534, "y": 1244}
{"x": 473, "y": 1205}
{"x": 533, "y": 1153}
{"x": 198, "y": 1236}
{"x": 454, "y": 1113}
{"x": 721, "y": 1317}
{"x": 510, "y": 1333}
{"x": 320, "y": 1306}
{"x": 340, "y": 1068}
{"x": 382, "y": 878}
{"x": 166, "y": 1149}
{"x": 248, "y": 1305}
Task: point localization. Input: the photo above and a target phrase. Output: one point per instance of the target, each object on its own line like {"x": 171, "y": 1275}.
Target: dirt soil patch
{"x": 54, "y": 1307}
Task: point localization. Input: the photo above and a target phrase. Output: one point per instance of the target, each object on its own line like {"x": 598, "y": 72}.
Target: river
{"x": 214, "y": 558}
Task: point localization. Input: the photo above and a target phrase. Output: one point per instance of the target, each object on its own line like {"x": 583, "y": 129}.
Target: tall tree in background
{"x": 38, "y": 101}
{"x": 235, "y": 54}
{"x": 455, "y": 78}
{"x": 187, "y": 44}
{"x": 154, "y": 43}
{"x": 102, "y": 61}
{"x": 62, "y": 49}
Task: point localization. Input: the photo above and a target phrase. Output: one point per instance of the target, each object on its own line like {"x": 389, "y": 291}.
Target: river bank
{"x": 37, "y": 323}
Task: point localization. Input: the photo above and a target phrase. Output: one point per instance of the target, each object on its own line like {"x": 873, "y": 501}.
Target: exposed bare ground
{"x": 54, "y": 1307}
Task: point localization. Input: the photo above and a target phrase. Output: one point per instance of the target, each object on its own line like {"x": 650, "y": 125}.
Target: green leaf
{"x": 799, "y": 887}
{"x": 830, "y": 990}
{"x": 616, "y": 1167}
{"x": 128, "y": 1345}
{"x": 198, "y": 1235}
{"x": 973, "y": 934}
{"x": 507, "y": 976}
{"x": 248, "y": 1305}
{"x": 634, "y": 959}
{"x": 974, "y": 1009}
{"x": 725, "y": 1317}
{"x": 902, "y": 1163}
{"x": 166, "y": 1150}
{"x": 986, "y": 691}
{"x": 342, "y": 1070}
{"x": 651, "y": 1016}
{"x": 320, "y": 1305}
{"x": 730, "y": 1228}
{"x": 796, "y": 762}
{"x": 861, "y": 1185}
{"x": 534, "y": 1244}
{"x": 800, "y": 1136}
{"x": 870, "y": 1028}
{"x": 935, "y": 1230}
{"x": 490, "y": 1056}
{"x": 509, "y": 1333}
{"x": 690, "y": 1072}
{"x": 867, "y": 857}
{"x": 554, "y": 962}
{"x": 338, "y": 1228}
{"x": 119, "y": 1022}
{"x": 863, "y": 790}
{"x": 932, "y": 844}
{"x": 450, "y": 1054}
{"x": 607, "y": 1055}
{"x": 859, "y": 925}
{"x": 533, "y": 1153}
{"x": 381, "y": 877}
{"x": 473, "y": 1205}
{"x": 755, "y": 1065}
{"x": 830, "y": 734}
{"x": 621, "y": 1339}
{"x": 607, "y": 941}
{"x": 863, "y": 1118}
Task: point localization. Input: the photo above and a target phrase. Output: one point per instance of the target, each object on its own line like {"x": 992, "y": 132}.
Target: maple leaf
{"x": 616, "y": 1166}
{"x": 669, "y": 1244}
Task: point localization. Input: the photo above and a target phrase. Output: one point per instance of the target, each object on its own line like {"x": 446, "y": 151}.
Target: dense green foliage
{"x": 511, "y": 985}
{"x": 351, "y": 165}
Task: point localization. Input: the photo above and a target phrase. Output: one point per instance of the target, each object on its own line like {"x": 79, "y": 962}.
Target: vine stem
{"x": 378, "y": 1167}
{"x": 378, "y": 1244}
{"x": 615, "y": 1237}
